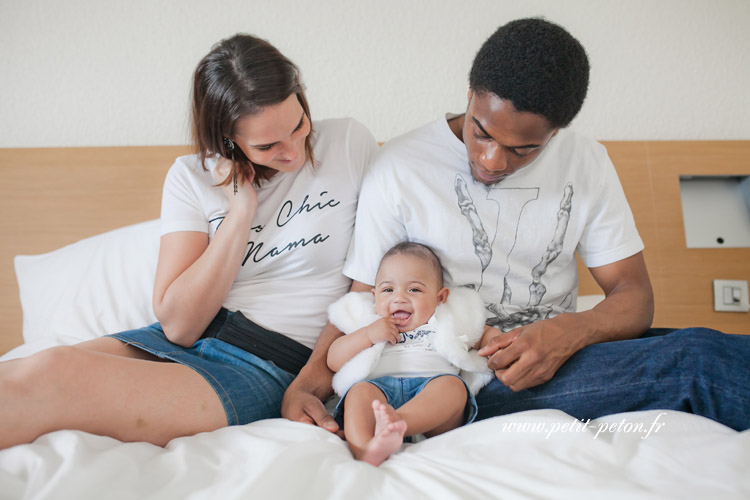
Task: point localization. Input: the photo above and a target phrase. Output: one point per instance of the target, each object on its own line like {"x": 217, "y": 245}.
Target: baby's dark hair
{"x": 536, "y": 65}
{"x": 420, "y": 251}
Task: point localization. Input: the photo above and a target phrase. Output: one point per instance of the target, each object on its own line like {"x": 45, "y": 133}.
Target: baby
{"x": 411, "y": 387}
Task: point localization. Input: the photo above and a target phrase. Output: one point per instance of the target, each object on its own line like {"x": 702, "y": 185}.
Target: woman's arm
{"x": 193, "y": 276}
{"x": 303, "y": 398}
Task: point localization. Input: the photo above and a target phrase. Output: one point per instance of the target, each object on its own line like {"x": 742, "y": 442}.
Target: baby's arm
{"x": 345, "y": 348}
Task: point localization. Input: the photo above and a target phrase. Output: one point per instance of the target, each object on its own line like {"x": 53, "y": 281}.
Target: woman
{"x": 255, "y": 229}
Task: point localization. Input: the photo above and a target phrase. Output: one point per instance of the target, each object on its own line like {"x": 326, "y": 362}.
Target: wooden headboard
{"x": 53, "y": 197}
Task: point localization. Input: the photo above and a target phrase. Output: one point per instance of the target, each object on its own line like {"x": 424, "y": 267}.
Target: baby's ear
{"x": 443, "y": 295}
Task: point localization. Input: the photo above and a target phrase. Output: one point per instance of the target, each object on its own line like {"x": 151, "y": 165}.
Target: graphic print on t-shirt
{"x": 494, "y": 255}
{"x": 287, "y": 212}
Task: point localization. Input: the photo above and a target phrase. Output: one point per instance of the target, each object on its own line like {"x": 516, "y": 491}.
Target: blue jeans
{"x": 696, "y": 370}
{"x": 400, "y": 390}
{"x": 250, "y": 388}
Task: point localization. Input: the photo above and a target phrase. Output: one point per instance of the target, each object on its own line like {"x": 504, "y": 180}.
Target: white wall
{"x": 112, "y": 72}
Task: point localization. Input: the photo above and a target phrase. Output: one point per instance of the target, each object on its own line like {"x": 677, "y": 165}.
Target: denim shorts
{"x": 399, "y": 390}
{"x": 250, "y": 388}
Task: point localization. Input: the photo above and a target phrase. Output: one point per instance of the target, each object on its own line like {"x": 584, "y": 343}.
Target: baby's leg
{"x": 359, "y": 420}
{"x": 389, "y": 434}
{"x": 371, "y": 426}
{"x": 438, "y": 408}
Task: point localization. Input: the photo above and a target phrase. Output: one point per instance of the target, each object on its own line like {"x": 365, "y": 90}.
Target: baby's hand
{"x": 487, "y": 336}
{"x": 383, "y": 330}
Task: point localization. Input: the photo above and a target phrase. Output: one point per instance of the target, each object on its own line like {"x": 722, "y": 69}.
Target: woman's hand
{"x": 246, "y": 197}
{"x": 193, "y": 276}
{"x": 303, "y": 399}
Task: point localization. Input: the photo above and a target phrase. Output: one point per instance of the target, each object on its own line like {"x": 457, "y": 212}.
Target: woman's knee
{"x": 42, "y": 371}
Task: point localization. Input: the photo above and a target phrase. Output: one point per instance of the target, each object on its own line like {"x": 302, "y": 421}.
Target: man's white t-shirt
{"x": 301, "y": 232}
{"x": 514, "y": 241}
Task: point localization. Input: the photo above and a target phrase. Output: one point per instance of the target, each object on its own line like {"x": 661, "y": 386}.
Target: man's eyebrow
{"x": 299, "y": 124}
{"x": 479, "y": 125}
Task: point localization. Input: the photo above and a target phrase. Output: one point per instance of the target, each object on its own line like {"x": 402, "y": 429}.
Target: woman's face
{"x": 275, "y": 137}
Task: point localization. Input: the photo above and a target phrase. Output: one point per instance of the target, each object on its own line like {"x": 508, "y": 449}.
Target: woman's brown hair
{"x": 241, "y": 76}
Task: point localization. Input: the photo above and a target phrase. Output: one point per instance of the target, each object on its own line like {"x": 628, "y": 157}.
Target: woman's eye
{"x": 301, "y": 123}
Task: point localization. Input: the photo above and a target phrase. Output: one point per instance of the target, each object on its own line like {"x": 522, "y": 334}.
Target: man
{"x": 506, "y": 197}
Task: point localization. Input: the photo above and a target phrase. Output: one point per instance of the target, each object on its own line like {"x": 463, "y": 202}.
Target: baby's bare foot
{"x": 389, "y": 434}
{"x": 384, "y": 415}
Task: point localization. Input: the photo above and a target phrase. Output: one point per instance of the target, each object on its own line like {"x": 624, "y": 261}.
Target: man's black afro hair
{"x": 537, "y": 66}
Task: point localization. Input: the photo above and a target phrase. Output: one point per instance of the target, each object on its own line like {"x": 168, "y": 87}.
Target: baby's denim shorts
{"x": 399, "y": 390}
{"x": 250, "y": 387}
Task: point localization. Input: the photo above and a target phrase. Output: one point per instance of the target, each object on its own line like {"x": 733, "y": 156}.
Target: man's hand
{"x": 529, "y": 355}
{"x": 532, "y": 354}
{"x": 383, "y": 330}
{"x": 303, "y": 398}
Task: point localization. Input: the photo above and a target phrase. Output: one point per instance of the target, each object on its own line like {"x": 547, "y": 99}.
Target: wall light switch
{"x": 731, "y": 295}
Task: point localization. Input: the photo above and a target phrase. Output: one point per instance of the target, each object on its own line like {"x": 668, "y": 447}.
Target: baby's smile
{"x": 401, "y": 316}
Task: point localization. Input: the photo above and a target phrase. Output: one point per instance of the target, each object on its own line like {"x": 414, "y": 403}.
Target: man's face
{"x": 500, "y": 140}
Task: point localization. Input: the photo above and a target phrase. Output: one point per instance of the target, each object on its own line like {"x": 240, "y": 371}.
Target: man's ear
{"x": 443, "y": 295}
{"x": 469, "y": 94}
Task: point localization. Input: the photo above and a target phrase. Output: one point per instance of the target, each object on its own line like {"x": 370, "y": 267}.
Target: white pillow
{"x": 95, "y": 286}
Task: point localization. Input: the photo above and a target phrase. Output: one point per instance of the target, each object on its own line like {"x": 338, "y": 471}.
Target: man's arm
{"x": 303, "y": 399}
{"x": 530, "y": 355}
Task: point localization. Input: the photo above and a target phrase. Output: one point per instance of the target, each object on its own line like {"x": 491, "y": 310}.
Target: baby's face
{"x": 407, "y": 289}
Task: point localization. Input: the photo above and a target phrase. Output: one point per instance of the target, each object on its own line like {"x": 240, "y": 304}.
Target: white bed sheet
{"x": 535, "y": 454}
{"x": 104, "y": 283}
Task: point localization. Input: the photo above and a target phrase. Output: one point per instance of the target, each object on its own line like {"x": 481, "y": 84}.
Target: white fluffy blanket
{"x": 458, "y": 322}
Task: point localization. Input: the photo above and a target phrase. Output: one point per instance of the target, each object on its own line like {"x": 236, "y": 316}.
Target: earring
{"x": 230, "y": 147}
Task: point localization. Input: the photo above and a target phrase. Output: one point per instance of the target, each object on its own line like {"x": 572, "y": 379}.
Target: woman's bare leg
{"x": 104, "y": 387}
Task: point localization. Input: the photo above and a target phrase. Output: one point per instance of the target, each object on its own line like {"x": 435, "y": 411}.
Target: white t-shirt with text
{"x": 292, "y": 270}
